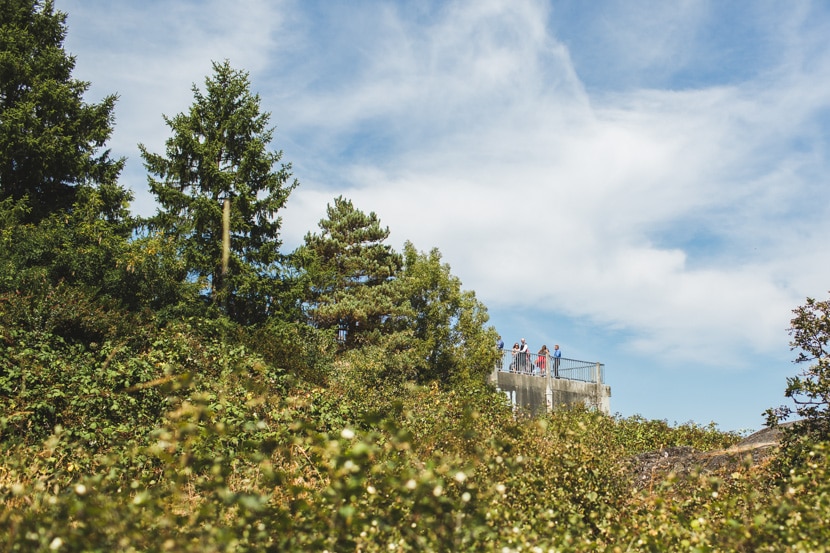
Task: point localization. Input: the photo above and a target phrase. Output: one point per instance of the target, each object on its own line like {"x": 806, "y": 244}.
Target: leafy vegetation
{"x": 810, "y": 391}
{"x": 329, "y": 399}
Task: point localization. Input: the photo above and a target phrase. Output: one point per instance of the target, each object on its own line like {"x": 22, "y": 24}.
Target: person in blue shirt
{"x": 557, "y": 355}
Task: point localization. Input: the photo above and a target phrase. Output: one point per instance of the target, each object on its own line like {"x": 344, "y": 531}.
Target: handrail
{"x": 533, "y": 364}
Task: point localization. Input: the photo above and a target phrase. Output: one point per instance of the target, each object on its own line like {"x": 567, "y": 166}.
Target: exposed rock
{"x": 655, "y": 465}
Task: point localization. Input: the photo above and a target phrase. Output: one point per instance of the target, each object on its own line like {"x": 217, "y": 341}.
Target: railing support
{"x": 549, "y": 388}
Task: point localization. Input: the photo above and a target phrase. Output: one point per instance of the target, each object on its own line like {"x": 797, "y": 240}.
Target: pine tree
{"x": 349, "y": 269}
{"x": 217, "y": 168}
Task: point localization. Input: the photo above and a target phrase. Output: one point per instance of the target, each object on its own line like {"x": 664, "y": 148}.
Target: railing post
{"x": 598, "y": 380}
{"x": 548, "y": 383}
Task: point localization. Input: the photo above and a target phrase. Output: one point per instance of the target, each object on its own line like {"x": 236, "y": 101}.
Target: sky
{"x": 642, "y": 182}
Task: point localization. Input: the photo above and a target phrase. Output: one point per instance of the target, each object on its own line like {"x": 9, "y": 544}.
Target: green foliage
{"x": 49, "y": 137}
{"x": 216, "y": 154}
{"x": 809, "y": 391}
{"x": 234, "y": 459}
{"x": 639, "y": 435}
{"x": 296, "y": 348}
{"x": 407, "y": 315}
{"x": 92, "y": 250}
{"x": 82, "y": 246}
{"x": 449, "y": 338}
{"x": 744, "y": 510}
{"x": 153, "y": 276}
{"x": 348, "y": 273}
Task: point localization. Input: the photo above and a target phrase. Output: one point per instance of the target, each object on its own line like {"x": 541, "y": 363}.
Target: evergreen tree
{"x": 348, "y": 270}
{"x": 50, "y": 139}
{"x": 64, "y": 220}
{"x": 433, "y": 330}
{"x": 217, "y": 167}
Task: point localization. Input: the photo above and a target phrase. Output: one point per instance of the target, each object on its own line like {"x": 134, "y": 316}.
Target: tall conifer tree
{"x": 217, "y": 155}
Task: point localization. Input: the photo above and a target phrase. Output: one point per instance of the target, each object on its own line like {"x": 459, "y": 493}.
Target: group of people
{"x": 523, "y": 362}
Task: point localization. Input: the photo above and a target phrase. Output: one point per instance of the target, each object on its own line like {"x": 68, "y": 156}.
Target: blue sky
{"x": 642, "y": 182}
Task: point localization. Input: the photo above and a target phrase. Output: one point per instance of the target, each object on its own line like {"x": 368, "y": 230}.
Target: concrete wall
{"x": 540, "y": 394}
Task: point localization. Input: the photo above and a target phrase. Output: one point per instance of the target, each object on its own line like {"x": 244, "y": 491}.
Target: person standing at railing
{"x": 542, "y": 360}
{"x": 500, "y": 349}
{"x": 557, "y": 355}
{"x": 514, "y": 362}
{"x": 524, "y": 357}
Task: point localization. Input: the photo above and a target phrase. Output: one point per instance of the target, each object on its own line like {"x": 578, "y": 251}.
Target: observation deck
{"x": 539, "y": 383}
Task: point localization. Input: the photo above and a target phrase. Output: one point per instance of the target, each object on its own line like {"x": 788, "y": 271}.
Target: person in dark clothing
{"x": 557, "y": 355}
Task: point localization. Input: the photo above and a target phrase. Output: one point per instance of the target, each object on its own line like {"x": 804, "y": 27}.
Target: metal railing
{"x": 533, "y": 364}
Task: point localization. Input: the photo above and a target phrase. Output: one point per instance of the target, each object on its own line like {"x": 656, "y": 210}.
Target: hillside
{"x": 181, "y": 383}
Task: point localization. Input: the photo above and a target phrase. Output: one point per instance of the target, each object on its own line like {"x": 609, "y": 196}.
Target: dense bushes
{"x": 246, "y": 471}
{"x": 235, "y": 457}
{"x": 145, "y": 419}
{"x": 197, "y": 434}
